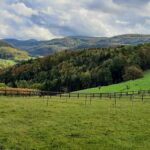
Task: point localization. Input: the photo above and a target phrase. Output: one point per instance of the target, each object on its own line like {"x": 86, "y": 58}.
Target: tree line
{"x": 79, "y": 69}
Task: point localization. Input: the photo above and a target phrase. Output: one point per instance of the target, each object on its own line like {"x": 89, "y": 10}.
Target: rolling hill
{"x": 4, "y": 44}
{"x": 10, "y": 55}
{"x": 41, "y": 48}
{"x": 76, "y": 70}
{"x": 132, "y": 85}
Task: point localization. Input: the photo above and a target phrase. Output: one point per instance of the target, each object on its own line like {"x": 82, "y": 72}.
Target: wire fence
{"x": 141, "y": 94}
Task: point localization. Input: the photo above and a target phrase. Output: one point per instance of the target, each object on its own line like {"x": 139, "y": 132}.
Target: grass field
{"x": 32, "y": 123}
{"x": 133, "y": 85}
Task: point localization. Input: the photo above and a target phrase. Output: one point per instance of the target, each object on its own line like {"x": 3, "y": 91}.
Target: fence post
{"x": 115, "y": 99}
{"x": 85, "y": 102}
{"x": 120, "y": 96}
{"x": 127, "y": 94}
{"x": 47, "y": 100}
{"x": 131, "y": 97}
{"x": 142, "y": 97}
{"x": 69, "y": 94}
{"x": 5, "y": 92}
{"x": 90, "y": 100}
{"x": 101, "y": 95}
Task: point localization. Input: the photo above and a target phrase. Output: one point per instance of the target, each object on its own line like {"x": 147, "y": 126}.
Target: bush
{"x": 132, "y": 73}
{"x": 22, "y": 84}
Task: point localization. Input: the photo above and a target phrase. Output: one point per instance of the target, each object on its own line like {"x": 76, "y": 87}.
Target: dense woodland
{"x": 75, "y": 70}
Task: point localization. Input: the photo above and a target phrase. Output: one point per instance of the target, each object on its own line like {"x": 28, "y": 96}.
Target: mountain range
{"x": 42, "y": 48}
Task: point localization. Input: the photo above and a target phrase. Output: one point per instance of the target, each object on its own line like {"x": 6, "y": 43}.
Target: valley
{"x": 42, "y": 48}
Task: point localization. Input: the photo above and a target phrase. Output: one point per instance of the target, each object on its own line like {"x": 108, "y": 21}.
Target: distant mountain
{"x": 10, "y": 55}
{"x": 41, "y": 48}
{"x": 4, "y": 43}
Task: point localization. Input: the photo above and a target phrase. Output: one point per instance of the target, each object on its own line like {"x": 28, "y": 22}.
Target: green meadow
{"x": 34, "y": 123}
{"x": 132, "y": 85}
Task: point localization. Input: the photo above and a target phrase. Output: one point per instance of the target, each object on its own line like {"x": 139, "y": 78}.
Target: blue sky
{"x": 48, "y": 19}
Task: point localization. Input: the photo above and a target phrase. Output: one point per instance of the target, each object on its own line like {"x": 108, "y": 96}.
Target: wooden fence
{"x": 142, "y": 94}
{"x": 18, "y": 92}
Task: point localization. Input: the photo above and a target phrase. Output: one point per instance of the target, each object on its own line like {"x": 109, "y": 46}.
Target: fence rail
{"x": 131, "y": 94}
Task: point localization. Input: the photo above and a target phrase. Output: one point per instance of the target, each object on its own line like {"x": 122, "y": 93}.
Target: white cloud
{"x": 122, "y": 22}
{"x": 146, "y": 10}
{"x": 7, "y": 16}
{"x": 36, "y": 32}
{"x": 47, "y": 19}
{"x": 22, "y": 9}
{"x": 147, "y": 21}
{"x": 4, "y": 30}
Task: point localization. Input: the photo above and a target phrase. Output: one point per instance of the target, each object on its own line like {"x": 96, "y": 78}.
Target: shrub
{"x": 132, "y": 73}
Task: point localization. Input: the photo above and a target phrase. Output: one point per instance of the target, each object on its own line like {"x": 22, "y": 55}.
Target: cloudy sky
{"x": 48, "y": 19}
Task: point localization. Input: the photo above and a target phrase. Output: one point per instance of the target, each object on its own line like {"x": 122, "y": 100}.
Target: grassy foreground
{"x": 29, "y": 123}
{"x": 133, "y": 85}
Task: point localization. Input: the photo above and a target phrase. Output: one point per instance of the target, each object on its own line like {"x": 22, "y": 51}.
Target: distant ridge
{"x": 41, "y": 48}
{"x": 4, "y": 43}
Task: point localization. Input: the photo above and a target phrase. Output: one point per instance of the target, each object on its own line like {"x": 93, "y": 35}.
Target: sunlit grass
{"x": 133, "y": 85}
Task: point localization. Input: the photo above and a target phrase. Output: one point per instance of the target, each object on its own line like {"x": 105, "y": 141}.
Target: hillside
{"x": 132, "y": 85}
{"x": 76, "y": 70}
{"x": 6, "y": 63}
{"x": 4, "y": 43}
{"x": 41, "y": 48}
{"x": 10, "y": 55}
{"x": 48, "y": 47}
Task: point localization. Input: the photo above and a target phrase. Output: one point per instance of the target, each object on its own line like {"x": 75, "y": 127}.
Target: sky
{"x": 48, "y": 19}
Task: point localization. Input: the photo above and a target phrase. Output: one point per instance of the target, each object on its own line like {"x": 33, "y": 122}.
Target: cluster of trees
{"x": 75, "y": 70}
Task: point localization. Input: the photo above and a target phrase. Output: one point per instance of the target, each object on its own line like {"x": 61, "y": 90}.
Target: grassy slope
{"x": 16, "y": 54}
{"x": 28, "y": 123}
{"x": 9, "y": 56}
{"x": 6, "y": 63}
{"x": 139, "y": 84}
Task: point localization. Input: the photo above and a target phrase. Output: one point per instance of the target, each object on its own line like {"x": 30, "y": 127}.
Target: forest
{"x": 70, "y": 70}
